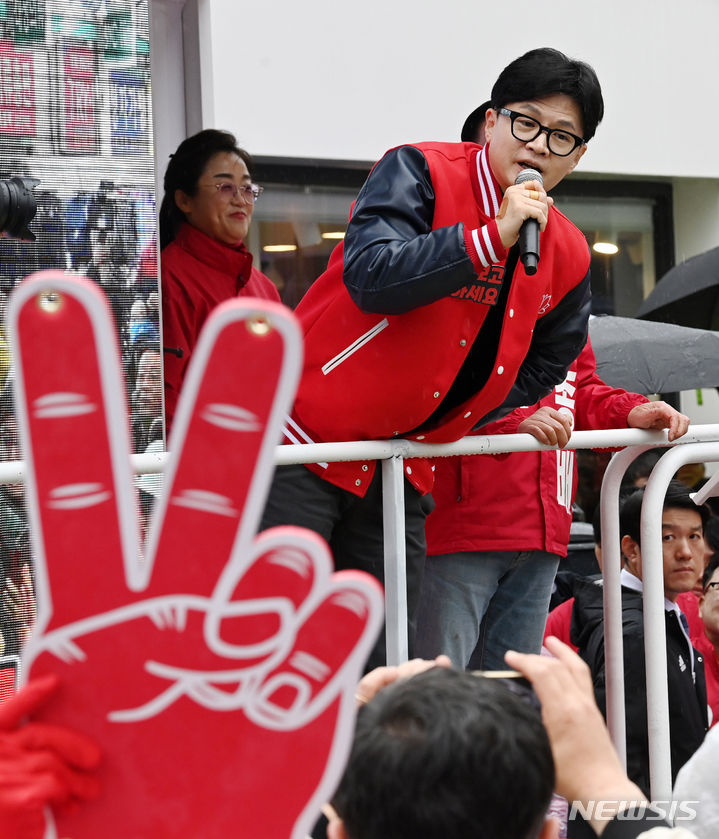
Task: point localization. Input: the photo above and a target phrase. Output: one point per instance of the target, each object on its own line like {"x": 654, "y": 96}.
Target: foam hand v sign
{"x": 215, "y": 667}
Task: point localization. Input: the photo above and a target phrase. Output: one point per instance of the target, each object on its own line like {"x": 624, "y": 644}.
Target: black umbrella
{"x": 647, "y": 357}
{"x": 688, "y": 294}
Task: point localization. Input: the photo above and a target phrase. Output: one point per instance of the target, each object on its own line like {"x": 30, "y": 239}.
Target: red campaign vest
{"x": 373, "y": 376}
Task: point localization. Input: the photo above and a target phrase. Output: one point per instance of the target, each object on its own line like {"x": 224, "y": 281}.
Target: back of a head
{"x": 640, "y": 469}
{"x": 184, "y": 170}
{"x": 446, "y": 754}
{"x": 471, "y": 130}
{"x": 678, "y": 496}
{"x": 711, "y": 534}
{"x": 712, "y": 566}
{"x": 546, "y": 71}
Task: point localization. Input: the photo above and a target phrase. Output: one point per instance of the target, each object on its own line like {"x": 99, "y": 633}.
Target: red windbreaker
{"x": 522, "y": 501}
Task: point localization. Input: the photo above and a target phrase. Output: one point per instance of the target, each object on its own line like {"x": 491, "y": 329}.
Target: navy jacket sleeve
{"x": 393, "y": 260}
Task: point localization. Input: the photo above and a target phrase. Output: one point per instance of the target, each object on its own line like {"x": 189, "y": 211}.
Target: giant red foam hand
{"x": 216, "y": 668}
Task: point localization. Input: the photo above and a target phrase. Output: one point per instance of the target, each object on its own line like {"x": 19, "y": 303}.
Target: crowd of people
{"x": 428, "y": 325}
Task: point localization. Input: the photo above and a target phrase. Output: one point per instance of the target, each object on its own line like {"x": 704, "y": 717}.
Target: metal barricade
{"x": 699, "y": 444}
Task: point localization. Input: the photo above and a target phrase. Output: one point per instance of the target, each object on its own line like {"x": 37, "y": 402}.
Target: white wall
{"x": 329, "y": 79}
{"x": 706, "y": 413}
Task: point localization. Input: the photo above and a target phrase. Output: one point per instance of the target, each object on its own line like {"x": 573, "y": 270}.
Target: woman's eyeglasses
{"x": 229, "y": 191}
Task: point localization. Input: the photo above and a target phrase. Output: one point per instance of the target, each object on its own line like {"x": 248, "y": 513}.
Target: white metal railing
{"x": 699, "y": 444}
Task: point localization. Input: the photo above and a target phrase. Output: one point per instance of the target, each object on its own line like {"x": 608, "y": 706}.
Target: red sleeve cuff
{"x": 484, "y": 246}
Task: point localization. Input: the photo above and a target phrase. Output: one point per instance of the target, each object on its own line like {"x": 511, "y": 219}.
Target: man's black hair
{"x": 641, "y": 468}
{"x": 709, "y": 570}
{"x": 470, "y": 129}
{"x": 678, "y": 496}
{"x": 597, "y": 525}
{"x": 446, "y": 755}
{"x": 711, "y": 533}
{"x": 546, "y": 71}
{"x": 184, "y": 170}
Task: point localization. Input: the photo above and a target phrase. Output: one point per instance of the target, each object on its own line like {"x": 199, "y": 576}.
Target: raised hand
{"x": 215, "y": 669}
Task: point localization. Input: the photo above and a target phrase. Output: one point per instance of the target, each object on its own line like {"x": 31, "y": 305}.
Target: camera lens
{"x": 18, "y": 206}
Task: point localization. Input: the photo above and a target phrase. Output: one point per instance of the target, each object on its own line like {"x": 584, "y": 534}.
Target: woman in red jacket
{"x": 204, "y": 219}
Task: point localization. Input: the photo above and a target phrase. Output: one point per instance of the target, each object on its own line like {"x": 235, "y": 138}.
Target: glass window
{"x": 293, "y": 232}
{"x": 303, "y": 212}
{"x": 629, "y": 229}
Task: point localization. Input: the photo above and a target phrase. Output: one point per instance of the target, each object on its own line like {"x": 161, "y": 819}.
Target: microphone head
{"x": 529, "y": 175}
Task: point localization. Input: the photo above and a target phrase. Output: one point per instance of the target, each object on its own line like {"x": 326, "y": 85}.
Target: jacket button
{"x": 358, "y": 482}
{"x": 500, "y": 370}
{"x": 409, "y": 470}
{"x": 511, "y": 313}
{"x": 365, "y": 467}
{"x": 420, "y": 437}
{"x": 468, "y": 414}
{"x": 436, "y": 394}
{"x": 463, "y": 343}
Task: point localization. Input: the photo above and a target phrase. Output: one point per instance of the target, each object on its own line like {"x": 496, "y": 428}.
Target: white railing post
{"x": 612, "y": 595}
{"x": 655, "y": 648}
{"x": 395, "y": 560}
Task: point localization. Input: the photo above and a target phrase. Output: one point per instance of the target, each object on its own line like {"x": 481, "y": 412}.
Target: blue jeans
{"x": 476, "y": 605}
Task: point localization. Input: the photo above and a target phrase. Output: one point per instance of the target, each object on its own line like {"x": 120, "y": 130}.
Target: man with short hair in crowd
{"x": 448, "y": 753}
{"x": 683, "y": 564}
{"x": 430, "y": 756}
{"x": 146, "y": 418}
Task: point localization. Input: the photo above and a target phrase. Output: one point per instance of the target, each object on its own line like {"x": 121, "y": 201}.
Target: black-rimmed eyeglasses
{"x": 526, "y": 129}
{"x": 249, "y": 192}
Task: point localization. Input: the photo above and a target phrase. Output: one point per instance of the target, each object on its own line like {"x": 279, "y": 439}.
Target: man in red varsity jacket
{"x": 501, "y": 524}
{"x": 425, "y": 324}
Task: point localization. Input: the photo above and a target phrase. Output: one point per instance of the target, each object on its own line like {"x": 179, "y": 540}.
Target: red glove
{"x": 40, "y": 764}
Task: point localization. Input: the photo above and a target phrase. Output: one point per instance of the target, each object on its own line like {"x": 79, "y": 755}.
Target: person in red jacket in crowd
{"x": 204, "y": 219}
{"x": 706, "y": 640}
{"x": 426, "y": 323}
{"x": 501, "y": 524}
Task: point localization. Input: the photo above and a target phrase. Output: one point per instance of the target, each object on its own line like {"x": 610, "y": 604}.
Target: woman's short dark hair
{"x": 546, "y": 71}
{"x": 185, "y": 169}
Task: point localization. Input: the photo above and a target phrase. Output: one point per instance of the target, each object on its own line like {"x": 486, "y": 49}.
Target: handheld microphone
{"x": 529, "y": 231}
